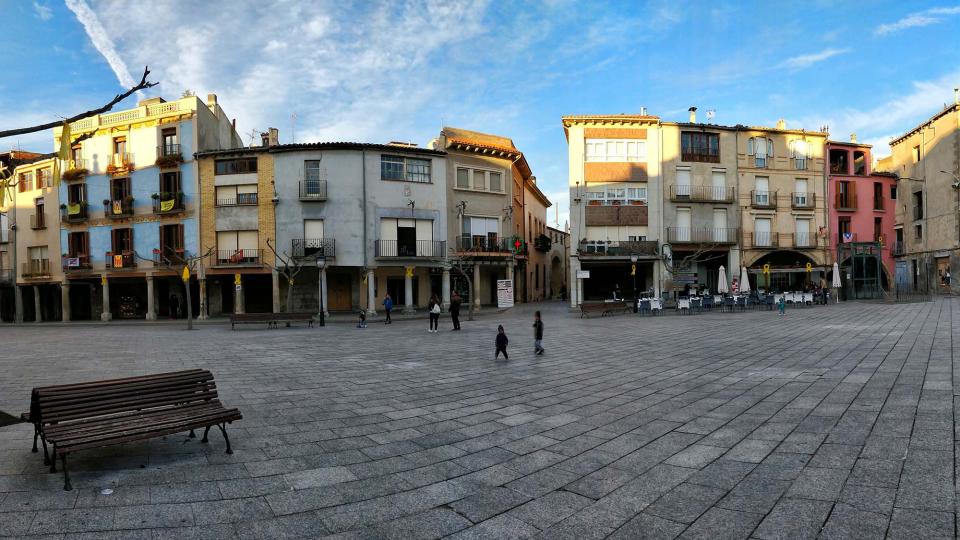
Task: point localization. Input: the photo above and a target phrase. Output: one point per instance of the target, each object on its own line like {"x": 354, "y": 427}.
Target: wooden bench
{"x": 271, "y": 319}
{"x": 104, "y": 413}
{"x": 604, "y": 308}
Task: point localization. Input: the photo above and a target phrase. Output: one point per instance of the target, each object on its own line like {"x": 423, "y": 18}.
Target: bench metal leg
{"x": 66, "y": 476}
{"x": 204, "y": 439}
{"x": 36, "y": 433}
{"x": 53, "y": 462}
{"x": 46, "y": 455}
{"x": 192, "y": 434}
{"x": 223, "y": 430}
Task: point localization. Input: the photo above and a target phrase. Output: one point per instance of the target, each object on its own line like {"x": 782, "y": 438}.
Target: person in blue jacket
{"x": 388, "y": 307}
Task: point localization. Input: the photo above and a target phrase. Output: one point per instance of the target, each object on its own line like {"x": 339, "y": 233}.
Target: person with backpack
{"x": 434, "y": 314}
{"x": 501, "y": 343}
{"x": 537, "y": 334}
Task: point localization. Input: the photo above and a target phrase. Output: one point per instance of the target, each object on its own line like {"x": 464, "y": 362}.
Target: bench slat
{"x": 104, "y": 422}
{"x": 228, "y": 416}
{"x": 92, "y": 408}
{"x": 113, "y": 382}
{"x": 130, "y": 387}
{"x": 144, "y": 424}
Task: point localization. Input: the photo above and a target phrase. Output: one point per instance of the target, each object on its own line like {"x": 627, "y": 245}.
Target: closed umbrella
{"x": 836, "y": 282}
{"x": 722, "y": 286}
{"x": 744, "y": 280}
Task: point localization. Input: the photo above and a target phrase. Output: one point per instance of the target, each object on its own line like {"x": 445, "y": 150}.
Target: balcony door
{"x": 77, "y": 245}
{"x": 312, "y": 237}
{"x": 480, "y": 232}
{"x": 720, "y": 225}
{"x": 406, "y": 237}
{"x": 719, "y": 185}
{"x": 683, "y": 183}
{"x": 122, "y": 240}
{"x": 802, "y": 233}
{"x": 800, "y": 192}
{"x": 171, "y": 242}
{"x": 761, "y": 232}
{"x": 762, "y": 192}
{"x": 683, "y": 224}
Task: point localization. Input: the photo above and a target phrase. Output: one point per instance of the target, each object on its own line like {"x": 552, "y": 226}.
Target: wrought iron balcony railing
{"x": 417, "y": 248}
{"x": 313, "y": 247}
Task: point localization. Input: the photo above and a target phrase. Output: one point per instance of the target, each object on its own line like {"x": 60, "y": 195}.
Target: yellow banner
{"x": 117, "y": 207}
{"x": 73, "y": 209}
{"x": 118, "y": 261}
{"x": 166, "y": 206}
{"x": 186, "y": 274}
{"x": 409, "y": 270}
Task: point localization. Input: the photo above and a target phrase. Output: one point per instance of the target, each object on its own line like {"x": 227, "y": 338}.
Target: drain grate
{"x": 6, "y": 419}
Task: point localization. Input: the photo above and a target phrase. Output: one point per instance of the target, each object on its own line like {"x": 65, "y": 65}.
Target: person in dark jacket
{"x": 537, "y": 334}
{"x": 455, "y": 311}
{"x": 388, "y": 307}
{"x": 501, "y": 343}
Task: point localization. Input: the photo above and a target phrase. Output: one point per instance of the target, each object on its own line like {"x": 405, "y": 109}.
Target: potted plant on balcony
{"x": 543, "y": 243}
{"x": 169, "y": 161}
{"x": 155, "y": 196}
{"x": 74, "y": 174}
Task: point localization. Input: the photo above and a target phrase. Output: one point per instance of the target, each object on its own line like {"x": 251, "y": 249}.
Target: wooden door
{"x": 340, "y": 292}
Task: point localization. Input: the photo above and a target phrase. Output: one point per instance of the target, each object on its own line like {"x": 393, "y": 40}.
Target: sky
{"x": 399, "y": 70}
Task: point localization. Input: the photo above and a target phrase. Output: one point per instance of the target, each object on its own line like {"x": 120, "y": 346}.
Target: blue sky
{"x": 400, "y": 70}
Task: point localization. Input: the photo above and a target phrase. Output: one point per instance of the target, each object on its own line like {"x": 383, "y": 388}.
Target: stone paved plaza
{"x": 833, "y": 422}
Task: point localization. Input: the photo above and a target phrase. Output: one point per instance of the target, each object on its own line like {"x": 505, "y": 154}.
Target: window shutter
{"x": 750, "y": 146}
{"x": 770, "y": 148}
{"x": 179, "y": 239}
{"x": 852, "y": 199}
{"x": 836, "y": 196}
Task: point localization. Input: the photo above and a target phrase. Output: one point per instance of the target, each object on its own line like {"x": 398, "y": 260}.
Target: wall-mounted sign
{"x": 583, "y": 274}
{"x": 504, "y": 293}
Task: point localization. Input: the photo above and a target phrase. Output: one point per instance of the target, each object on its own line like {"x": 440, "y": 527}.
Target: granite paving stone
{"x": 399, "y": 433}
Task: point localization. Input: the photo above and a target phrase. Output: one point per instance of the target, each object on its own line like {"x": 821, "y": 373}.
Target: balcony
{"x": 6, "y": 276}
{"x": 164, "y": 257}
{"x": 38, "y": 221}
{"x": 418, "y": 248}
{"x": 121, "y": 163}
{"x": 484, "y": 244}
{"x": 118, "y": 209}
{"x": 168, "y": 156}
{"x": 313, "y": 190}
{"x": 702, "y": 235}
{"x": 708, "y": 194}
{"x": 897, "y": 249}
{"x": 77, "y": 262}
{"x": 313, "y": 247}
{"x": 237, "y": 257}
{"x": 601, "y": 248}
{"x": 763, "y": 199}
{"x": 803, "y": 201}
{"x": 615, "y": 215}
{"x": 75, "y": 212}
{"x": 700, "y": 157}
{"x": 125, "y": 260}
{"x": 242, "y": 199}
{"x": 167, "y": 203}
{"x": 36, "y": 268}
{"x": 76, "y": 170}
{"x": 762, "y": 240}
{"x": 805, "y": 240}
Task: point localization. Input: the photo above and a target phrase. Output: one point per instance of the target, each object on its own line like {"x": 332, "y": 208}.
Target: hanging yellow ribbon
{"x": 63, "y": 152}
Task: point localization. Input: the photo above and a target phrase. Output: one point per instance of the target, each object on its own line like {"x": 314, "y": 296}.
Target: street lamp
{"x": 321, "y": 263}
{"x": 633, "y": 272}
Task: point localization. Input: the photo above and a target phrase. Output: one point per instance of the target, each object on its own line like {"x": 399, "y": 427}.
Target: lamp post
{"x": 633, "y": 272}
{"x": 321, "y": 263}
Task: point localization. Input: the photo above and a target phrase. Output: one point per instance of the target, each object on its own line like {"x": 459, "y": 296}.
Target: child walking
{"x": 501, "y": 344}
{"x": 537, "y": 334}
{"x": 362, "y": 321}
{"x": 781, "y": 306}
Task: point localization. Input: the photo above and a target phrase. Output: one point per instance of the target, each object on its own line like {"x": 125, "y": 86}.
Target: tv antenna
{"x": 253, "y": 135}
{"x": 710, "y": 114}
{"x": 293, "y": 128}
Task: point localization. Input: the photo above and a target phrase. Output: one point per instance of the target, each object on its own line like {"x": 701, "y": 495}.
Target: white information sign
{"x": 583, "y": 274}
{"x": 504, "y": 293}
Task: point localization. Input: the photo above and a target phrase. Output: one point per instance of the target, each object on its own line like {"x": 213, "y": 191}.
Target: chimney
{"x": 274, "y": 136}
{"x": 956, "y": 96}
{"x": 643, "y": 111}
{"x": 853, "y": 137}
{"x": 781, "y": 124}
{"x": 533, "y": 179}
{"x": 211, "y": 100}
{"x": 693, "y": 115}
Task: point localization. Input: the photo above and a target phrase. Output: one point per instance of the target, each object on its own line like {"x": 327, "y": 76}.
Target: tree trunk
{"x": 289, "y": 302}
{"x": 470, "y": 289}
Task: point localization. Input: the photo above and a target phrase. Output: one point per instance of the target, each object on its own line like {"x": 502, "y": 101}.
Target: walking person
{"x": 388, "y": 307}
{"x": 782, "y": 305}
{"x": 455, "y": 310}
{"x": 174, "y": 307}
{"x": 501, "y": 343}
{"x": 537, "y": 334}
{"x": 434, "y": 314}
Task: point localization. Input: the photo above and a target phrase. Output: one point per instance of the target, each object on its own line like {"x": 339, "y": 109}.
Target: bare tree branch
{"x": 289, "y": 267}
{"x": 143, "y": 84}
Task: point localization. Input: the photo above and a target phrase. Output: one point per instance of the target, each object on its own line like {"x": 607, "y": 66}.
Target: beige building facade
{"x": 535, "y": 205}
{"x": 927, "y": 221}
{"x": 783, "y": 215}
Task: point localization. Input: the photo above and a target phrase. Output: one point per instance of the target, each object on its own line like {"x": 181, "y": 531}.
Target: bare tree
{"x": 458, "y": 264}
{"x": 176, "y": 261}
{"x": 289, "y": 267}
{"x": 702, "y": 254}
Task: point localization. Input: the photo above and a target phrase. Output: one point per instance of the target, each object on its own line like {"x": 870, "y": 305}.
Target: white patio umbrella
{"x": 722, "y": 286}
{"x": 744, "y": 280}
{"x": 837, "y": 284}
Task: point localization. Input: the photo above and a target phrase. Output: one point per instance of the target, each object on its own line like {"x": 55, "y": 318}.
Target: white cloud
{"x": 101, "y": 40}
{"x": 42, "y": 11}
{"x": 806, "y": 60}
{"x": 914, "y": 20}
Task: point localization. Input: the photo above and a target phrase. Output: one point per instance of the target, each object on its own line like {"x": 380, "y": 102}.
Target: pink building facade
{"x": 861, "y": 203}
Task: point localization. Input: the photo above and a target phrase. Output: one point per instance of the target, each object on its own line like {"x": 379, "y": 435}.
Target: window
{"x": 802, "y": 234}
{"x": 800, "y": 152}
{"x": 76, "y": 194}
{"x": 683, "y": 183}
{"x": 121, "y": 240}
{"x": 243, "y": 194}
{"x": 846, "y": 195}
{"x": 614, "y": 195}
{"x": 37, "y": 221}
{"x": 496, "y": 183}
{"x": 761, "y": 232}
{"x": 761, "y": 149}
{"x": 918, "y": 232}
{"x": 761, "y": 195}
{"x": 859, "y": 162}
{"x": 877, "y": 196}
{"x": 120, "y": 189}
{"x": 480, "y": 232}
{"x": 45, "y": 178}
{"x": 77, "y": 244}
{"x": 38, "y": 259}
{"x": 463, "y": 178}
{"x": 312, "y": 238}
{"x": 171, "y": 239}
{"x": 404, "y": 169}
{"x": 918, "y": 205}
{"x": 76, "y": 154}
{"x": 238, "y": 247}
{"x": 171, "y": 143}
{"x": 479, "y": 180}
{"x": 311, "y": 171}
{"x": 236, "y": 166}
{"x": 893, "y": 193}
{"x": 119, "y": 145}
{"x": 26, "y": 182}
{"x": 616, "y": 150}
{"x": 700, "y": 147}
{"x": 800, "y": 192}
{"x": 916, "y": 153}
{"x": 877, "y": 229}
{"x": 844, "y": 229}
{"x": 839, "y": 162}
{"x": 169, "y": 185}
{"x": 4, "y": 228}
